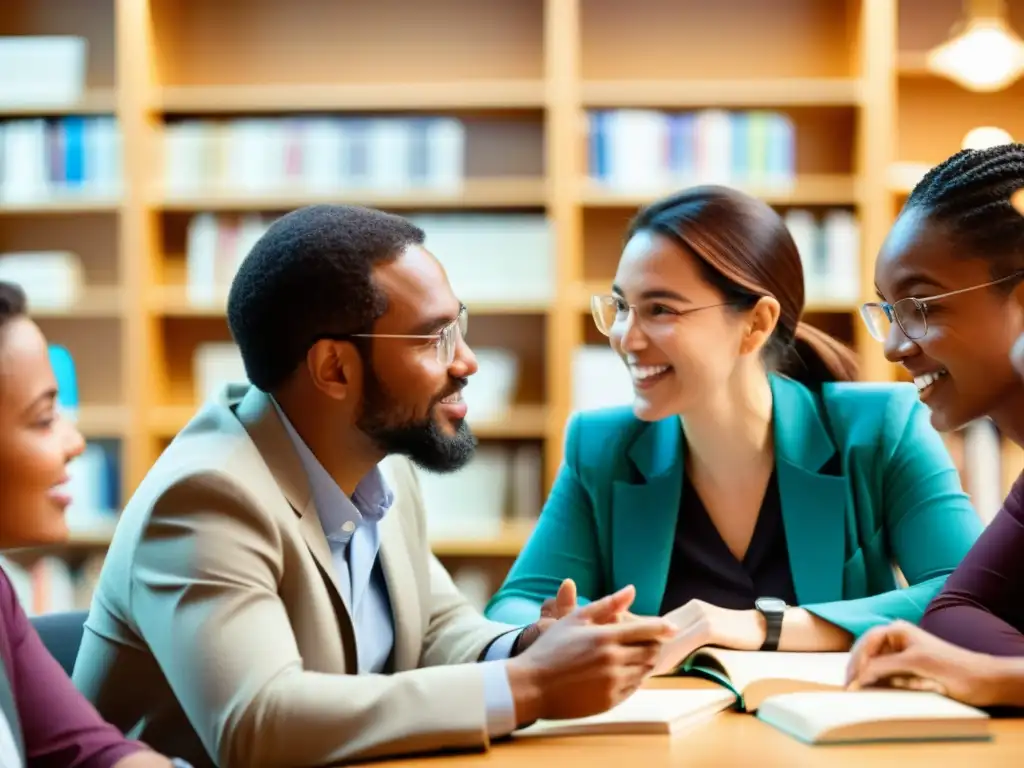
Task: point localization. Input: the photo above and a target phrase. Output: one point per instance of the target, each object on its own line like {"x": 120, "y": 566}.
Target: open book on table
{"x": 753, "y": 676}
{"x": 803, "y": 694}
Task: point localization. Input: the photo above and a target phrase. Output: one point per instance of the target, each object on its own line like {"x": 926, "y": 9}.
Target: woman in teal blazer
{"x": 852, "y": 479}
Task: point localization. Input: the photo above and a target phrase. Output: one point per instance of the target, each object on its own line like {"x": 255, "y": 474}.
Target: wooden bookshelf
{"x": 848, "y": 73}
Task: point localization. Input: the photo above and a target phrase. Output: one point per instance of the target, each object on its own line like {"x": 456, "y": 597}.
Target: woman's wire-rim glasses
{"x": 599, "y": 303}
{"x": 878, "y": 316}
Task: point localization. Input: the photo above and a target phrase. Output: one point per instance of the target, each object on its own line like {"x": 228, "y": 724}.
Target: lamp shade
{"x": 985, "y": 56}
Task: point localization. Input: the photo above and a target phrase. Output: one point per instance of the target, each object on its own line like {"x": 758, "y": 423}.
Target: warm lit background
{"x": 145, "y": 143}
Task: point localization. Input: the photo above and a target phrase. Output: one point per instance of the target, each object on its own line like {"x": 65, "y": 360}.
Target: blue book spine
{"x": 63, "y": 365}
{"x": 739, "y": 130}
{"x": 597, "y": 144}
{"x": 74, "y": 151}
{"x": 781, "y": 154}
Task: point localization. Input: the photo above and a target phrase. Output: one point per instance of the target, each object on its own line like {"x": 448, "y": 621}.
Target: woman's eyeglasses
{"x": 910, "y": 314}
{"x": 611, "y": 310}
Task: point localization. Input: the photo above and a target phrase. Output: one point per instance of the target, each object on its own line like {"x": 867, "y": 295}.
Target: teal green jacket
{"x": 895, "y": 501}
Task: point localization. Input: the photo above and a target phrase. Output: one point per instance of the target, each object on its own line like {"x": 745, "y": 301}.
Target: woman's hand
{"x": 902, "y": 655}
{"x": 701, "y": 624}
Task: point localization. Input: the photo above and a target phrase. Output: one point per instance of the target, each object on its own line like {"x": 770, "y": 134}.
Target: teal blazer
{"x": 896, "y": 501}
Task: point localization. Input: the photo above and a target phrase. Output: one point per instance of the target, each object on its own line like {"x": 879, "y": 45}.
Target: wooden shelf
{"x": 913, "y": 64}
{"x": 475, "y": 193}
{"x": 352, "y": 97}
{"x": 61, "y": 205}
{"x": 806, "y": 190}
{"x": 509, "y": 543}
{"x": 525, "y": 421}
{"x": 830, "y": 307}
{"x": 173, "y": 301}
{"x": 752, "y": 93}
{"x": 102, "y": 420}
{"x": 97, "y": 101}
{"x": 97, "y": 301}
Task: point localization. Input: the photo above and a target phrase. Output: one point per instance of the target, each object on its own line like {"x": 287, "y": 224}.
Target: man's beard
{"x": 421, "y": 440}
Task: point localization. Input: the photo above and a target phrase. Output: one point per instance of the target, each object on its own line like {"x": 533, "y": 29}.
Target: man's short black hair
{"x": 13, "y": 302}
{"x": 310, "y": 275}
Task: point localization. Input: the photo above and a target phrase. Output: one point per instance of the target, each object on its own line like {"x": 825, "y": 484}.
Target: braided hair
{"x": 970, "y": 194}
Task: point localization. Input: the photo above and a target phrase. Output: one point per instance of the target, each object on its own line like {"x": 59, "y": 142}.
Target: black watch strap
{"x": 773, "y": 610}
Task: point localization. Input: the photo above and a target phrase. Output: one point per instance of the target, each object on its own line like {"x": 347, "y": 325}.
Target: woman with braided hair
{"x": 950, "y": 278}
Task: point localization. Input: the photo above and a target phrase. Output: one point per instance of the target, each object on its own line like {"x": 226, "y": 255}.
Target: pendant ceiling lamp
{"x": 983, "y": 52}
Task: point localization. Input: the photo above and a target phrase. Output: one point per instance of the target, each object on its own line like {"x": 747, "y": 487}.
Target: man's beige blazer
{"x": 218, "y": 633}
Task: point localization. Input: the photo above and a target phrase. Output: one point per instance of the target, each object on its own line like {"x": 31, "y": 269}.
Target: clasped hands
{"x": 696, "y": 624}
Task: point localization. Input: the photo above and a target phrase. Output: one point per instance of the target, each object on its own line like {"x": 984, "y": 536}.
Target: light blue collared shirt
{"x": 350, "y": 526}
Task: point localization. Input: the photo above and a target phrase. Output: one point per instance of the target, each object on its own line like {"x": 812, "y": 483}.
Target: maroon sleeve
{"x": 59, "y": 726}
{"x": 980, "y": 606}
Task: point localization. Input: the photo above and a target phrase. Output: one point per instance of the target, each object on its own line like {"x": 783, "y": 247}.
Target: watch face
{"x": 770, "y": 604}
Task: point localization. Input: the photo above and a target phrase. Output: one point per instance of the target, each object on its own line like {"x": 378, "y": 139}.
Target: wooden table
{"x": 732, "y": 739}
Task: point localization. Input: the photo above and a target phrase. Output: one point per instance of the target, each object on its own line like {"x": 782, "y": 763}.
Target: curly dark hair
{"x": 310, "y": 275}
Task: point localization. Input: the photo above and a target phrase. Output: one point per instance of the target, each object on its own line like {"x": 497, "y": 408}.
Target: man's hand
{"x": 698, "y": 624}
{"x": 902, "y": 655}
{"x": 553, "y": 609}
{"x": 586, "y": 662}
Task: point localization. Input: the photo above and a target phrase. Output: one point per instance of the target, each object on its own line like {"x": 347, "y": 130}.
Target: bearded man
{"x": 269, "y": 597}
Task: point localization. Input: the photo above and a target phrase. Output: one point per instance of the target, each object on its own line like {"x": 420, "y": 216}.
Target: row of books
{"x": 643, "y": 149}
{"x": 520, "y": 263}
{"x": 520, "y": 267}
{"x": 830, "y": 250}
{"x": 51, "y": 584}
{"x": 314, "y": 154}
{"x": 44, "y": 159}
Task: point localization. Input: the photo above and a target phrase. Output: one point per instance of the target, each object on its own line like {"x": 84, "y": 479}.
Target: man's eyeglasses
{"x": 446, "y": 340}
{"x": 910, "y": 314}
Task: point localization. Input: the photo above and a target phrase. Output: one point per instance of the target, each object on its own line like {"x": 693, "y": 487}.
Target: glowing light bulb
{"x": 1017, "y": 201}
{"x": 985, "y": 136}
{"x": 986, "y": 56}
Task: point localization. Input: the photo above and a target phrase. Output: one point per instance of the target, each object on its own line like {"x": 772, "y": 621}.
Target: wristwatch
{"x": 772, "y": 608}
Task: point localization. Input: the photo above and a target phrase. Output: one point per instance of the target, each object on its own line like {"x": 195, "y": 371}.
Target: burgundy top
{"x": 59, "y": 726}
{"x": 981, "y": 606}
